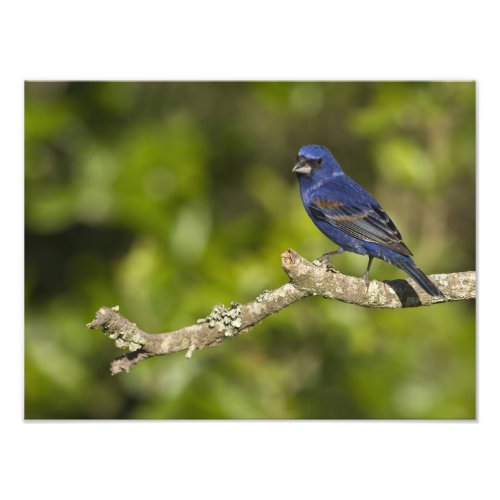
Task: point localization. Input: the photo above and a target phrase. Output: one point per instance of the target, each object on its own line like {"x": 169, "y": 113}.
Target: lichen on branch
{"x": 305, "y": 279}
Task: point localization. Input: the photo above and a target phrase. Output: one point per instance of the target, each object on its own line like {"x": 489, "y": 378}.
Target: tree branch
{"x": 306, "y": 279}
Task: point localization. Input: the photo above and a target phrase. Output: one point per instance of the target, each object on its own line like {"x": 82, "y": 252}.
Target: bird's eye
{"x": 319, "y": 161}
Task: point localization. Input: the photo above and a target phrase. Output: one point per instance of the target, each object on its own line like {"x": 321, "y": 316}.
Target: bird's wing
{"x": 367, "y": 222}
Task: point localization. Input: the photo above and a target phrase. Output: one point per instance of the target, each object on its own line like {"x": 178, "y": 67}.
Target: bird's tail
{"x": 419, "y": 276}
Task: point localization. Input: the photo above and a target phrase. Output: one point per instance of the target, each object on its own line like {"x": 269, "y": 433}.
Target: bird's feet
{"x": 324, "y": 261}
{"x": 366, "y": 279}
{"x": 365, "y": 275}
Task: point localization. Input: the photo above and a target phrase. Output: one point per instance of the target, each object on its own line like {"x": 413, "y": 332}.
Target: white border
{"x": 257, "y": 40}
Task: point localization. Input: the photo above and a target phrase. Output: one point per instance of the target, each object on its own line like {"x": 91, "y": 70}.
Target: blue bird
{"x": 350, "y": 216}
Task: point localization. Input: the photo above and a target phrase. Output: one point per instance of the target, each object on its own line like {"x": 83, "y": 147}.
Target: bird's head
{"x": 313, "y": 159}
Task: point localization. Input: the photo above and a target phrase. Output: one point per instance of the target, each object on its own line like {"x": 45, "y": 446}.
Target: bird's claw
{"x": 366, "y": 280}
{"x": 326, "y": 263}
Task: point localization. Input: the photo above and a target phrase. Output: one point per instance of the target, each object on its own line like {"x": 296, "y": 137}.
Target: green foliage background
{"x": 170, "y": 197}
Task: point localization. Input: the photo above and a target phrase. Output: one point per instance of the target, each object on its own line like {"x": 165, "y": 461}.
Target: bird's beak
{"x": 301, "y": 167}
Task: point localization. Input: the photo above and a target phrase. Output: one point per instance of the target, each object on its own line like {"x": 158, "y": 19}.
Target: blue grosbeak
{"x": 350, "y": 216}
